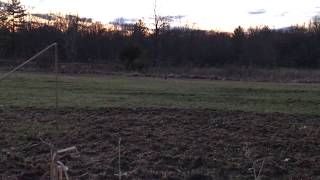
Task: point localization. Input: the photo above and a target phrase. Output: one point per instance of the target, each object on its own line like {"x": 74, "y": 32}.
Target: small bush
{"x": 130, "y": 57}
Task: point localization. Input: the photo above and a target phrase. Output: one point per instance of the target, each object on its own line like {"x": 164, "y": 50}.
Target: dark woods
{"x": 135, "y": 47}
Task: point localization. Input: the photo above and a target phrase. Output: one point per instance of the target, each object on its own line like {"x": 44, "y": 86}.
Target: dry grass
{"x": 58, "y": 170}
{"x": 236, "y": 73}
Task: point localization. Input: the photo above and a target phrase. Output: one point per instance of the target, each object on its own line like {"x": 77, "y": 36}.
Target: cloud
{"x": 44, "y": 16}
{"x": 283, "y": 14}
{"x": 258, "y": 11}
{"x": 122, "y": 20}
{"x": 177, "y": 17}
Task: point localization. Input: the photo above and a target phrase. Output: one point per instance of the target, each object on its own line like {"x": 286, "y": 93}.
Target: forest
{"x": 136, "y": 46}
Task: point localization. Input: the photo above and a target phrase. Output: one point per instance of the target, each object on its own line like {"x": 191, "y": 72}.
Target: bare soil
{"x": 160, "y": 144}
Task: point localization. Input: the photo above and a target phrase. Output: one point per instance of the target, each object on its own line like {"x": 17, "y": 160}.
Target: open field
{"x": 160, "y": 143}
{"x": 170, "y": 129}
{"x": 36, "y": 90}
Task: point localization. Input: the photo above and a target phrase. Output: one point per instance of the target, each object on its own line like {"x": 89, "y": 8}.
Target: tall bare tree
{"x": 71, "y": 38}
{"x": 161, "y": 23}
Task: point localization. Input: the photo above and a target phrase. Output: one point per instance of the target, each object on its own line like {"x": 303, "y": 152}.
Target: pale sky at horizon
{"x": 224, "y": 15}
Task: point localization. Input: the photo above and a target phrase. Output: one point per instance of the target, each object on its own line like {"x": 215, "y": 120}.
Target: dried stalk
{"x": 58, "y": 171}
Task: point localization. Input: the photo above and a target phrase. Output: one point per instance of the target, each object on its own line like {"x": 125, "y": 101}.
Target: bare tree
{"x": 156, "y": 19}
{"x": 161, "y": 23}
{"x": 72, "y": 34}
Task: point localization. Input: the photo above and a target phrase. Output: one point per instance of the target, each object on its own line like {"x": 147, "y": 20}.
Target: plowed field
{"x": 160, "y": 143}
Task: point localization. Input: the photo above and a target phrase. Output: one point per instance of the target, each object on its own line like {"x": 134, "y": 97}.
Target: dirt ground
{"x": 160, "y": 144}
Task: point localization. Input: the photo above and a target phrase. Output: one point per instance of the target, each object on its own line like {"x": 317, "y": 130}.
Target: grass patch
{"x": 37, "y": 90}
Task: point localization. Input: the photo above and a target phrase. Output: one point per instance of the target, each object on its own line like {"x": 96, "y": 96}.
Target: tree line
{"x": 136, "y": 46}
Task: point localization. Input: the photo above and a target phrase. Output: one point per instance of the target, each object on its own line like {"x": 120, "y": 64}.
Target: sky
{"x": 222, "y": 15}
